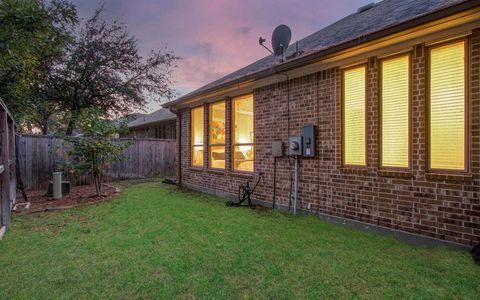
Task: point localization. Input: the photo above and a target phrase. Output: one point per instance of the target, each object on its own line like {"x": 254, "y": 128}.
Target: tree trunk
{"x": 45, "y": 127}
{"x": 96, "y": 181}
{"x": 71, "y": 122}
{"x": 100, "y": 185}
{"x": 70, "y": 127}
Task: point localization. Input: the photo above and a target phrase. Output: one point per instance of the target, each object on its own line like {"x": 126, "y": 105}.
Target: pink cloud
{"x": 217, "y": 37}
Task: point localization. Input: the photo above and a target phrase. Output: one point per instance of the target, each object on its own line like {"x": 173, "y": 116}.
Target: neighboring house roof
{"x": 128, "y": 118}
{"x": 355, "y": 29}
{"x": 132, "y": 117}
{"x": 161, "y": 115}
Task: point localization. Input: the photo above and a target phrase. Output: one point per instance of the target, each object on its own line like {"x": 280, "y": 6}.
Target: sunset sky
{"x": 216, "y": 37}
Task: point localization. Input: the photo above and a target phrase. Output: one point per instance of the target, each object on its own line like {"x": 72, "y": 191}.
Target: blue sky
{"x": 216, "y": 37}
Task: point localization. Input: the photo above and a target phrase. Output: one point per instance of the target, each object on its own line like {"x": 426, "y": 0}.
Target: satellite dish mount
{"x": 280, "y": 41}
{"x": 261, "y": 40}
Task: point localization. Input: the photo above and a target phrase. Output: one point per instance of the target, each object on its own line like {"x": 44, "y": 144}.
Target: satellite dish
{"x": 281, "y": 39}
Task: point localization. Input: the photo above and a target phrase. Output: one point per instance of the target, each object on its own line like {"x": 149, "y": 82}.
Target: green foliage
{"x": 32, "y": 35}
{"x": 104, "y": 69}
{"x": 156, "y": 242}
{"x": 96, "y": 148}
{"x": 51, "y": 69}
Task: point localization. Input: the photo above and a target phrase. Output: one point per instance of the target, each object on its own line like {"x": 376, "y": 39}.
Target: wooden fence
{"x": 7, "y": 167}
{"x": 40, "y": 156}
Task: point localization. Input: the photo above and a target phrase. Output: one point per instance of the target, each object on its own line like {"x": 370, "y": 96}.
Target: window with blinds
{"x": 242, "y": 112}
{"x": 217, "y": 135}
{"x": 395, "y": 102}
{"x": 354, "y": 116}
{"x": 197, "y": 136}
{"x": 447, "y": 106}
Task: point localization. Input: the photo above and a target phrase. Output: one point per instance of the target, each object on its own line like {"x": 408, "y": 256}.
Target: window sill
{"x": 395, "y": 173}
{"x": 196, "y": 169}
{"x": 462, "y": 178}
{"x": 216, "y": 171}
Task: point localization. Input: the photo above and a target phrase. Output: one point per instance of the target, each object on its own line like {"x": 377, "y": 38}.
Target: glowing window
{"x": 243, "y": 133}
{"x": 395, "y": 99}
{"x": 354, "y": 116}
{"x": 197, "y": 136}
{"x": 447, "y": 107}
{"x": 217, "y": 135}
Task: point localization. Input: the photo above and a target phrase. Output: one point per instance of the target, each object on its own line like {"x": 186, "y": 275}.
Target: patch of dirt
{"x": 79, "y": 196}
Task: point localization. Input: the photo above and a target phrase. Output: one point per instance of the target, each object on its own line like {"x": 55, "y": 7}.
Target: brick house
{"x": 393, "y": 90}
{"x": 160, "y": 124}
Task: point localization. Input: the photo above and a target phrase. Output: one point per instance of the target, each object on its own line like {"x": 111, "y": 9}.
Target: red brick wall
{"x": 436, "y": 205}
{"x": 222, "y": 181}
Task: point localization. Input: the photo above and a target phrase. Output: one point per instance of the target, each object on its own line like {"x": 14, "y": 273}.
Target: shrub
{"x": 96, "y": 147}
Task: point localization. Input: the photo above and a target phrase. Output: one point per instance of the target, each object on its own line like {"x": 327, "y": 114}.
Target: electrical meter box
{"x": 309, "y": 141}
{"x": 295, "y": 146}
{"x": 277, "y": 150}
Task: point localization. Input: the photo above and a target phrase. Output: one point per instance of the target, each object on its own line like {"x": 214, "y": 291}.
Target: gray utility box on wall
{"x": 309, "y": 141}
{"x": 277, "y": 150}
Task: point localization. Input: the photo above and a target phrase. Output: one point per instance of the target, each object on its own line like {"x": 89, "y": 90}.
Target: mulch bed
{"x": 79, "y": 196}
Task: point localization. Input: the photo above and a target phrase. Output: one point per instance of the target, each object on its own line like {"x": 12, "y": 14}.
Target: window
{"x": 354, "y": 116}
{"x": 197, "y": 136}
{"x": 447, "y": 106}
{"x": 395, "y": 108}
{"x": 243, "y": 133}
{"x": 217, "y": 135}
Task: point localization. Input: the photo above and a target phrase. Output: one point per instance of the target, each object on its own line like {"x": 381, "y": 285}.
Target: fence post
{"x": 13, "y": 164}
{"x": 5, "y": 161}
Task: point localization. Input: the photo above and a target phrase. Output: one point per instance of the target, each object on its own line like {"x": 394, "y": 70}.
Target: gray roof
{"x": 161, "y": 115}
{"x": 354, "y": 28}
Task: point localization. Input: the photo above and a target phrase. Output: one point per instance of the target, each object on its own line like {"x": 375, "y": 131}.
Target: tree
{"x": 104, "y": 69}
{"x": 50, "y": 69}
{"x": 32, "y": 36}
{"x": 96, "y": 149}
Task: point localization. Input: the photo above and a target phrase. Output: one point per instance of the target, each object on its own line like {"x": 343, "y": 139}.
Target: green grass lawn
{"x": 158, "y": 242}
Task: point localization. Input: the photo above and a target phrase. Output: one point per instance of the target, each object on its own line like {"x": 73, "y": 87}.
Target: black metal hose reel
{"x": 244, "y": 194}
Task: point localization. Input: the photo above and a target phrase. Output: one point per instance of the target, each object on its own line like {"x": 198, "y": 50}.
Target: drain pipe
{"x": 476, "y": 249}
{"x": 274, "y": 181}
{"x": 296, "y": 187}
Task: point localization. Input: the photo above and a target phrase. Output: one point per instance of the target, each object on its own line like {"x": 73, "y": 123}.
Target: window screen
{"x": 395, "y": 99}
{"x": 354, "y": 116}
{"x": 447, "y": 107}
